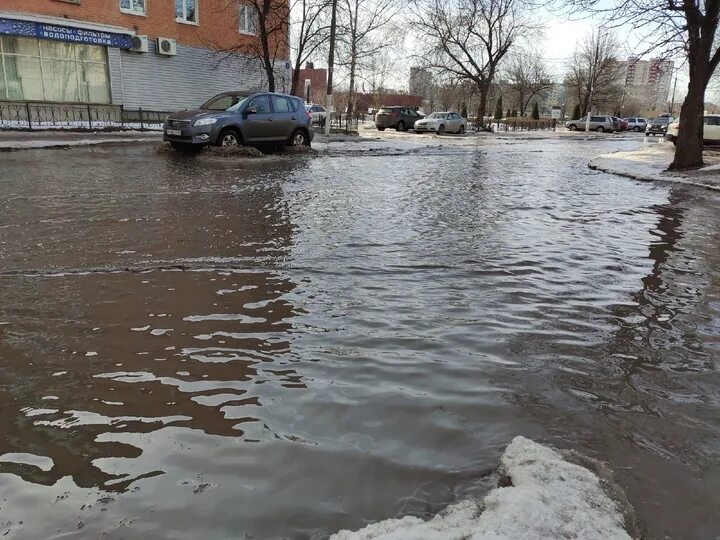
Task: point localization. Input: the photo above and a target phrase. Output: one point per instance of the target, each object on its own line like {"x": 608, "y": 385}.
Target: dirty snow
{"x": 650, "y": 163}
{"x": 549, "y": 498}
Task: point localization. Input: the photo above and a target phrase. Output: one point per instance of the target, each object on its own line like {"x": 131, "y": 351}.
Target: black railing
{"x": 32, "y": 115}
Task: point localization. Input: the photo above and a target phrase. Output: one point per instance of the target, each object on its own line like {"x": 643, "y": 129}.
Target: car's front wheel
{"x": 636, "y": 129}
{"x": 600, "y": 129}
{"x": 441, "y": 129}
{"x": 400, "y": 126}
{"x": 381, "y": 128}
{"x": 299, "y": 138}
{"x": 461, "y": 131}
{"x": 228, "y": 138}
{"x": 572, "y": 127}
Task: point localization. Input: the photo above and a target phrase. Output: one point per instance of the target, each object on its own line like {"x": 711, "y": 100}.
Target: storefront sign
{"x": 14, "y": 27}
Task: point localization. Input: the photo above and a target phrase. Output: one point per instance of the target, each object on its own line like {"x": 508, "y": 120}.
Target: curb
{"x": 648, "y": 178}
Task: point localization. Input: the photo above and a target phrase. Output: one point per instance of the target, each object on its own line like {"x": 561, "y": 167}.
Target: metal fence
{"x": 31, "y": 115}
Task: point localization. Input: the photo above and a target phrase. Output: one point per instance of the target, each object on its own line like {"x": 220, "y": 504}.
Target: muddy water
{"x": 282, "y": 348}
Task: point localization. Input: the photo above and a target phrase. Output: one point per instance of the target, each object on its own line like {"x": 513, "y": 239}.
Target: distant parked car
{"x": 658, "y": 126}
{"x": 597, "y": 123}
{"x": 235, "y": 118}
{"x": 400, "y": 118}
{"x": 317, "y": 112}
{"x": 622, "y": 125}
{"x": 440, "y": 122}
{"x": 636, "y": 124}
{"x": 711, "y": 130}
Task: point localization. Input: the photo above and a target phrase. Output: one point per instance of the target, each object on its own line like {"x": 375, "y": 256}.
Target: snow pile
{"x": 546, "y": 497}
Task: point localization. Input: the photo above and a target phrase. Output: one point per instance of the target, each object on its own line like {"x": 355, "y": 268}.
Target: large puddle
{"x": 286, "y": 348}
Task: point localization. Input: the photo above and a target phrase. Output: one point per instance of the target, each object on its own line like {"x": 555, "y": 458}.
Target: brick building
{"x": 155, "y": 54}
{"x": 313, "y": 84}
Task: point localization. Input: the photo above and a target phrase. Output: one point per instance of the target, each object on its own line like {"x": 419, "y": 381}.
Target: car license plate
{"x": 174, "y": 132}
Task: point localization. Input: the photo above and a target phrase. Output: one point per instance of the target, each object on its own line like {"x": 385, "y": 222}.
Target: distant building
{"x": 313, "y": 84}
{"x": 555, "y": 95}
{"x": 646, "y": 83}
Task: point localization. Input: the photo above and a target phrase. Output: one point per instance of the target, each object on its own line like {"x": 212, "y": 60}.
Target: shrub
{"x": 498, "y": 109}
{"x": 536, "y": 112}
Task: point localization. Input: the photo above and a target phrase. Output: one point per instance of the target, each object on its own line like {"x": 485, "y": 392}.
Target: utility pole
{"x": 672, "y": 101}
{"x": 331, "y": 64}
{"x": 592, "y": 82}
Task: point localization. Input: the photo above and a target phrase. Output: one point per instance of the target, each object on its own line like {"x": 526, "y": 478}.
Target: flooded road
{"x": 286, "y": 347}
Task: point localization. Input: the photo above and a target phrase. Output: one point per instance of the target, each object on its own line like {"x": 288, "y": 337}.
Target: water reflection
{"x": 101, "y": 341}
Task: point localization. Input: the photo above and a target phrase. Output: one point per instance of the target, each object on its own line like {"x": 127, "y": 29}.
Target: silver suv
{"x": 597, "y": 123}
{"x": 636, "y": 124}
{"x": 235, "y": 118}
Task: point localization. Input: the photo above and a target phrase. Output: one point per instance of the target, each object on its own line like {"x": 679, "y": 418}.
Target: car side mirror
{"x": 251, "y": 110}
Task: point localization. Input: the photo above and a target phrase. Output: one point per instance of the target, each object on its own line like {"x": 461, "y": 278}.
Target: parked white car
{"x": 317, "y": 112}
{"x": 441, "y": 122}
{"x": 711, "y": 130}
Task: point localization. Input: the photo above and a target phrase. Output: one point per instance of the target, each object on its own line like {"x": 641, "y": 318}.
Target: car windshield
{"x": 225, "y": 102}
{"x": 663, "y": 120}
{"x": 438, "y": 115}
{"x": 387, "y": 110}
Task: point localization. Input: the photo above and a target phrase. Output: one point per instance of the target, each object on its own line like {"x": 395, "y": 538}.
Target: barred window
{"x": 133, "y": 6}
{"x": 41, "y": 70}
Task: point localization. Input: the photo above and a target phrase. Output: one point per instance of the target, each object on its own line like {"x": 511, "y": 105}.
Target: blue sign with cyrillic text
{"x": 56, "y": 32}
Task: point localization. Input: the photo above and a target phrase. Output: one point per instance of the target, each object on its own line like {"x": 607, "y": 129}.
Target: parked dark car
{"x": 400, "y": 118}
{"x": 236, "y": 118}
{"x": 658, "y": 126}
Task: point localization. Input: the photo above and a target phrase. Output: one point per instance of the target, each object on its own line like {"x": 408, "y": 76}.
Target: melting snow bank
{"x": 541, "y": 495}
{"x": 650, "y": 163}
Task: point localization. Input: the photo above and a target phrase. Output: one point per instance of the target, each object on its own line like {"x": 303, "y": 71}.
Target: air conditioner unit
{"x": 139, "y": 44}
{"x": 166, "y": 46}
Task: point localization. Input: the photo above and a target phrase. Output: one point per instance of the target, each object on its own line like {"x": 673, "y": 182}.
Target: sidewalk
{"x": 25, "y": 140}
{"x": 650, "y": 163}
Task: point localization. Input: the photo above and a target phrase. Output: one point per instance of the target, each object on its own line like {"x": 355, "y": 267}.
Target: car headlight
{"x": 205, "y": 122}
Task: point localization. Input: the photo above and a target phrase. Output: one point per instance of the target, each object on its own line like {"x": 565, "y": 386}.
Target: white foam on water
{"x": 550, "y": 498}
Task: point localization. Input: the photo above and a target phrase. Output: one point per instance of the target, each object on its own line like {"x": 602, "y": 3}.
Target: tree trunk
{"x": 689, "y": 150}
{"x": 482, "y": 107}
{"x": 351, "y": 92}
{"x": 270, "y": 75}
{"x": 294, "y": 89}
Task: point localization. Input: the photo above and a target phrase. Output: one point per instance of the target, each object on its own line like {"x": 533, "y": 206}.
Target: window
{"x": 281, "y": 104}
{"x": 186, "y": 11}
{"x": 598, "y": 119}
{"x": 261, "y": 104}
{"x": 135, "y": 7}
{"x": 33, "y": 69}
{"x": 712, "y": 120}
{"x": 223, "y": 103}
{"x": 248, "y": 19}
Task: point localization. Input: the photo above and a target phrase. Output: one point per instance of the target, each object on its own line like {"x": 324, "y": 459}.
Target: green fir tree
{"x": 498, "y": 109}
{"x": 536, "y": 112}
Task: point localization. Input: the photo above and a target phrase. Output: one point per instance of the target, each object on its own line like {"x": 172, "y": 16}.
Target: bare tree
{"x": 309, "y": 32}
{"x": 469, "y": 38}
{"x": 359, "y": 36}
{"x": 688, "y": 28}
{"x": 527, "y": 78}
{"x": 265, "y": 37}
{"x": 594, "y": 72}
